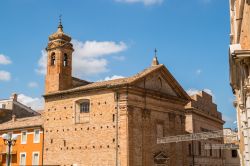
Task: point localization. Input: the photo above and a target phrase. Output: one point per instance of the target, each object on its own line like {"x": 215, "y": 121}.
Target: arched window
{"x": 65, "y": 60}
{"x": 53, "y": 59}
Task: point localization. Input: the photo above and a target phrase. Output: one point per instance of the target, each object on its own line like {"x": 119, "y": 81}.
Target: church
{"x": 110, "y": 123}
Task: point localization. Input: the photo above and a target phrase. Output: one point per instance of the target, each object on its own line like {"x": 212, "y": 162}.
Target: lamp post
{"x": 9, "y": 140}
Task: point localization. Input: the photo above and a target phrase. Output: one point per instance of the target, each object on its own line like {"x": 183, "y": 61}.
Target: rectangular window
{"x": 211, "y": 151}
{"x": 189, "y": 149}
{"x": 35, "y": 158}
{"x": 84, "y": 107}
{"x": 234, "y": 153}
{"x": 22, "y": 158}
{"x": 199, "y": 147}
{"x": 36, "y": 136}
{"x": 159, "y": 130}
{"x": 24, "y": 137}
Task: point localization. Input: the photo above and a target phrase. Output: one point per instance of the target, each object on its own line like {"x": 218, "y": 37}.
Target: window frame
{"x": 190, "y": 153}
{"x": 85, "y": 102}
{"x": 160, "y": 126}
{"x": 82, "y": 117}
{"x": 234, "y": 153}
{"x": 34, "y": 136}
{"x": 21, "y": 153}
{"x": 53, "y": 59}
{"x": 33, "y": 154}
{"x": 199, "y": 148}
{"x": 65, "y": 60}
{"x": 22, "y": 141}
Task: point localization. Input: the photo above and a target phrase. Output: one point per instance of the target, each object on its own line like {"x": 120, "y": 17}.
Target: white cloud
{"x": 209, "y": 91}
{"x": 35, "y": 103}
{"x": 33, "y": 84}
{"x": 198, "y": 71}
{"x": 113, "y": 77}
{"x": 193, "y": 91}
{"x": 4, "y": 75}
{"x": 94, "y": 49}
{"x": 4, "y": 60}
{"x": 88, "y": 57}
{"x": 42, "y": 63}
{"x": 145, "y": 2}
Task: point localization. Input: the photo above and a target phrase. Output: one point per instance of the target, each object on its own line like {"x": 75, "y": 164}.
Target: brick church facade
{"x": 114, "y": 122}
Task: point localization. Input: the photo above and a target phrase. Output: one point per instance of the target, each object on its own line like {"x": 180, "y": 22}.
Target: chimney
{"x": 14, "y": 97}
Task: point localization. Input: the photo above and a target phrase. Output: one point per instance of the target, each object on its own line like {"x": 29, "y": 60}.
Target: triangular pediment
{"x": 162, "y": 81}
{"x": 160, "y": 158}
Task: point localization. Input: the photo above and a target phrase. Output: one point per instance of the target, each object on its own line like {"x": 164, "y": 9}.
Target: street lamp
{"x": 10, "y": 140}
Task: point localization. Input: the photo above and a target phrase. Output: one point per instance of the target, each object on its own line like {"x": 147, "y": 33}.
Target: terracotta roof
{"x": 112, "y": 83}
{"x": 22, "y": 123}
{"x": 76, "y": 82}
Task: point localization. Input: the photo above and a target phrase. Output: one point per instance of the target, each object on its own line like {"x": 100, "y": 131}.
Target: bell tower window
{"x": 53, "y": 59}
{"x": 65, "y": 60}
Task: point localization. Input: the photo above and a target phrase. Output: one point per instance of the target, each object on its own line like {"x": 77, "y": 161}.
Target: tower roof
{"x": 155, "y": 61}
{"x": 60, "y": 34}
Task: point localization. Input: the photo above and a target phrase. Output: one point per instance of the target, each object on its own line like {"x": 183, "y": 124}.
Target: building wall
{"x": 231, "y": 156}
{"x": 229, "y": 160}
{"x": 202, "y": 116}
{"x": 89, "y": 143}
{"x": 145, "y": 113}
{"x": 239, "y": 70}
{"x": 203, "y": 156}
{"x": 11, "y": 107}
{"x": 94, "y": 142}
{"x": 19, "y": 148}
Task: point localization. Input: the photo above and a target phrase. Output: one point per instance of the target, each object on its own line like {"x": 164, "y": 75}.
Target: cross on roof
{"x": 155, "y": 52}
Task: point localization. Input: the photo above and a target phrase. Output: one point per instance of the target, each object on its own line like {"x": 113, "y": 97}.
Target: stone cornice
{"x": 128, "y": 89}
{"x": 198, "y": 112}
{"x": 21, "y": 128}
{"x": 241, "y": 54}
{"x": 157, "y": 95}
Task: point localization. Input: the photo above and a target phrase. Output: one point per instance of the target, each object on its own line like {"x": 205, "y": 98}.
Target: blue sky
{"x": 191, "y": 37}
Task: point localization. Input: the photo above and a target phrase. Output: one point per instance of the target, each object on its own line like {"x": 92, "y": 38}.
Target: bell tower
{"x": 59, "y": 62}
